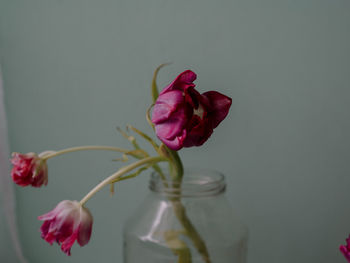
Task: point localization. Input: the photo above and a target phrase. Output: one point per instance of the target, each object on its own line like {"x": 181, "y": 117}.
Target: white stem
{"x": 120, "y": 173}
{"x": 84, "y": 148}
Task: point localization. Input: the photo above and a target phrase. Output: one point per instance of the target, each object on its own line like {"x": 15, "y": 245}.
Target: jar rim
{"x": 195, "y": 183}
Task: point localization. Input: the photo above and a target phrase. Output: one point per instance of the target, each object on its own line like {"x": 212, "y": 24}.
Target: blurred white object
{"x": 6, "y": 187}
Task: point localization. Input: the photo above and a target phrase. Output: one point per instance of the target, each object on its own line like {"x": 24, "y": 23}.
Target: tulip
{"x": 68, "y": 222}
{"x": 346, "y": 249}
{"x": 183, "y": 117}
{"x": 29, "y": 169}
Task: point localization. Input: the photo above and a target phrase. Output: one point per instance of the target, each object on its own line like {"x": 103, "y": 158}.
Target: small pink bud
{"x": 68, "y": 222}
{"x": 29, "y": 169}
{"x": 183, "y": 117}
{"x": 346, "y": 249}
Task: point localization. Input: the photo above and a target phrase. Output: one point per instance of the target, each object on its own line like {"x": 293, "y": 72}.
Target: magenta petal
{"x": 168, "y": 130}
{"x": 345, "y": 252}
{"x": 44, "y": 229}
{"x": 348, "y": 243}
{"x": 346, "y": 249}
{"x": 177, "y": 142}
{"x": 198, "y": 134}
{"x": 48, "y": 216}
{"x": 161, "y": 111}
{"x": 68, "y": 243}
{"x": 219, "y": 106}
{"x": 49, "y": 238}
{"x": 85, "y": 228}
{"x": 63, "y": 228}
{"x": 166, "y": 104}
{"x": 173, "y": 126}
{"x": 185, "y": 78}
{"x": 188, "y": 76}
{"x": 62, "y": 206}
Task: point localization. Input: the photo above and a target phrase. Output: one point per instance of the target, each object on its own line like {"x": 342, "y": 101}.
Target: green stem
{"x": 179, "y": 169}
{"x": 178, "y": 246}
{"x": 84, "y": 148}
{"x": 177, "y": 172}
{"x": 190, "y": 229}
{"x": 175, "y": 165}
{"x": 120, "y": 173}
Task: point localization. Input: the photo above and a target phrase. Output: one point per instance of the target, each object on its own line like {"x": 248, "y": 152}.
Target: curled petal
{"x": 177, "y": 142}
{"x": 219, "y": 106}
{"x": 167, "y": 104}
{"x": 61, "y": 207}
{"x": 181, "y": 82}
{"x": 45, "y": 229}
{"x": 173, "y": 126}
{"x": 85, "y": 227}
{"x": 199, "y": 133}
{"x": 68, "y": 242}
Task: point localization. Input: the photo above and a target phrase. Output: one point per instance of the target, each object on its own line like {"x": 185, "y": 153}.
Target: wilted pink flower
{"x": 29, "y": 169}
{"x": 69, "y": 221}
{"x": 346, "y": 249}
{"x": 183, "y": 117}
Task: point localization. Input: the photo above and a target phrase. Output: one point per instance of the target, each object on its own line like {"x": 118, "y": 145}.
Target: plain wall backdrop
{"x": 75, "y": 69}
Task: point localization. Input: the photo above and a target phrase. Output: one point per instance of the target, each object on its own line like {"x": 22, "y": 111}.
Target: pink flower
{"x": 69, "y": 221}
{"x": 346, "y": 249}
{"x": 183, "y": 117}
{"x": 29, "y": 169}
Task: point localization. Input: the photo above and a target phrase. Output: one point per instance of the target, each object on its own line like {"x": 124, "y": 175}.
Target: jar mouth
{"x": 195, "y": 183}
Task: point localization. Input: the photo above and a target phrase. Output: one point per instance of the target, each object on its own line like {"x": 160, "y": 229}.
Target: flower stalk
{"x": 120, "y": 173}
{"x": 190, "y": 230}
{"x": 51, "y": 154}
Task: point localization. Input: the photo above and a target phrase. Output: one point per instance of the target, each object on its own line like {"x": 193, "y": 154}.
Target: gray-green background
{"x": 75, "y": 69}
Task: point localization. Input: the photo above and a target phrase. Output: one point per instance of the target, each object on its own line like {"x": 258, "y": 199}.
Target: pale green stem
{"x": 190, "y": 229}
{"x": 177, "y": 172}
{"x": 84, "y": 148}
{"x": 176, "y": 166}
{"x": 120, "y": 173}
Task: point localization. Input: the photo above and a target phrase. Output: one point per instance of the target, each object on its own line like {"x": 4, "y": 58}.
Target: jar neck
{"x": 195, "y": 183}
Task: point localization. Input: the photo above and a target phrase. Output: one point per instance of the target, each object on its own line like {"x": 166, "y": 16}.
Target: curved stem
{"x": 84, "y": 148}
{"x": 121, "y": 172}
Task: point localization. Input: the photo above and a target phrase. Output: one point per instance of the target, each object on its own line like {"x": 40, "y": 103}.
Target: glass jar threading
{"x": 198, "y": 183}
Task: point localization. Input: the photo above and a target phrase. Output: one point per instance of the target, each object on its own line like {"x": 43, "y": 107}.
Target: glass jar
{"x": 191, "y": 222}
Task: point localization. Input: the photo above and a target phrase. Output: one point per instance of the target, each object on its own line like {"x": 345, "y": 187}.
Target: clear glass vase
{"x": 191, "y": 222}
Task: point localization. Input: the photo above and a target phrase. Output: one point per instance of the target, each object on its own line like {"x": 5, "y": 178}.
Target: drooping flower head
{"x": 29, "y": 169}
{"x": 346, "y": 249}
{"x": 183, "y": 117}
{"x": 66, "y": 223}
